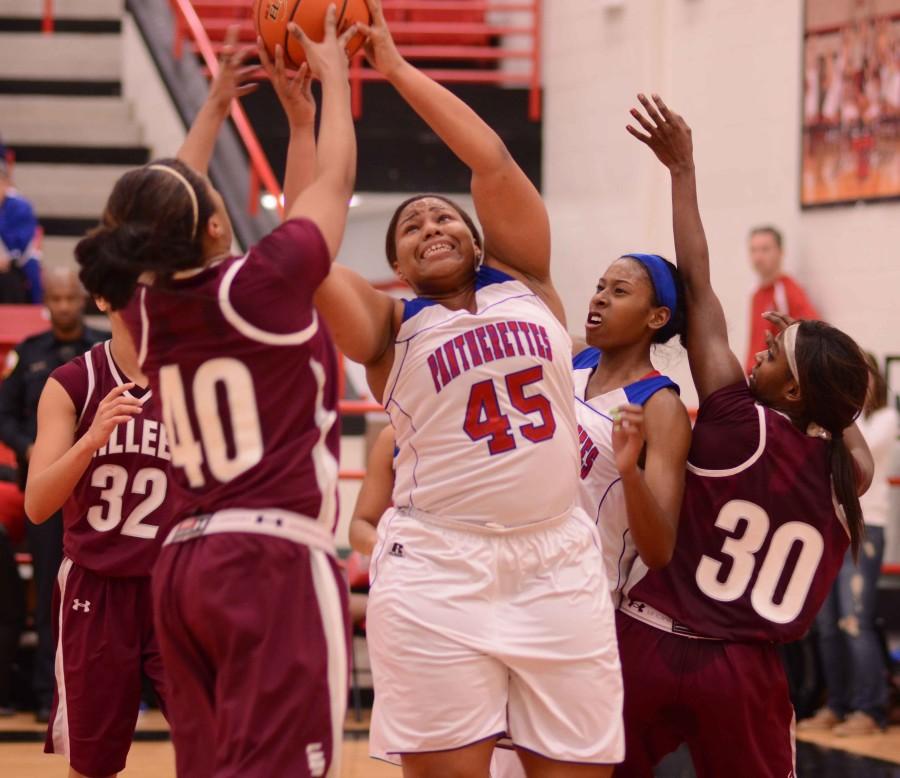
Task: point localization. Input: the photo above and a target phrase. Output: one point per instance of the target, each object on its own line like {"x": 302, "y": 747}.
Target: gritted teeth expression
{"x": 431, "y": 237}
{"x": 620, "y": 305}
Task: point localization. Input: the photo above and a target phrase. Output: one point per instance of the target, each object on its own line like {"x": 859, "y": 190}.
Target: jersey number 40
{"x": 226, "y": 459}
{"x": 485, "y": 419}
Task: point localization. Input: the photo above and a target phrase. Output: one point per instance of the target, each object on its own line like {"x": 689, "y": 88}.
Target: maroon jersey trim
{"x": 754, "y": 457}
{"x": 251, "y": 331}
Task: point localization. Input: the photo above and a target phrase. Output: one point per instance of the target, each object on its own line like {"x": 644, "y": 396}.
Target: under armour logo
{"x": 81, "y": 605}
{"x": 638, "y": 606}
{"x": 315, "y": 758}
{"x": 396, "y": 549}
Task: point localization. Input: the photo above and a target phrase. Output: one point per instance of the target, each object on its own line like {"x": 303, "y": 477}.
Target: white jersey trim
{"x": 60, "y": 725}
{"x": 331, "y": 611}
{"x": 89, "y": 365}
{"x": 117, "y": 376}
{"x": 746, "y": 465}
{"x": 251, "y": 331}
{"x": 145, "y": 328}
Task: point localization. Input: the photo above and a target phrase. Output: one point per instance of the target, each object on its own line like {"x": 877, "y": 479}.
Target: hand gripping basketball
{"x": 327, "y": 59}
{"x": 381, "y": 51}
{"x": 294, "y": 92}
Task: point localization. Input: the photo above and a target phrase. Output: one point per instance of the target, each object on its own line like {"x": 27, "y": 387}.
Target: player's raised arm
{"x": 510, "y": 209}
{"x": 58, "y": 461}
{"x": 713, "y": 365}
{"x": 295, "y": 95}
{"x": 229, "y": 84}
{"x": 326, "y": 200}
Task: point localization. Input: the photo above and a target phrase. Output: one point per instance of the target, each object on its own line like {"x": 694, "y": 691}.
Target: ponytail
{"x": 833, "y": 377}
{"x": 845, "y": 479}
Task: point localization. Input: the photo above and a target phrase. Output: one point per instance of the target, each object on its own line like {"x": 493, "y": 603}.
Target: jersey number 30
{"x": 484, "y": 419}
{"x": 743, "y": 552}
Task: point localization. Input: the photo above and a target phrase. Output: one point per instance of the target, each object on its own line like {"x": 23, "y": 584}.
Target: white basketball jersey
{"x": 600, "y": 491}
{"x": 481, "y": 405}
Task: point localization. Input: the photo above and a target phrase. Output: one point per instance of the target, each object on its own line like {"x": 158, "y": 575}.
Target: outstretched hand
{"x": 780, "y": 320}
{"x": 381, "y": 51}
{"x": 327, "y": 59}
{"x": 231, "y": 82}
{"x": 667, "y": 134}
{"x": 294, "y": 92}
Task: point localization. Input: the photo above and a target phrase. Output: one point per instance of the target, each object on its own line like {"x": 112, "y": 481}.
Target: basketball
{"x": 271, "y": 18}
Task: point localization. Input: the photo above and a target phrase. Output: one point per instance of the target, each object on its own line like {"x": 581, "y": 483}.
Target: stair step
{"x": 63, "y": 56}
{"x": 78, "y": 191}
{"x": 64, "y": 9}
{"x": 59, "y": 250}
{"x": 82, "y": 155}
{"x": 33, "y": 86}
{"x": 92, "y": 26}
{"x": 44, "y": 120}
{"x": 72, "y": 226}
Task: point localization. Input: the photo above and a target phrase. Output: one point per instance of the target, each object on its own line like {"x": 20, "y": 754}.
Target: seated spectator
{"x": 20, "y": 273}
{"x": 777, "y": 291}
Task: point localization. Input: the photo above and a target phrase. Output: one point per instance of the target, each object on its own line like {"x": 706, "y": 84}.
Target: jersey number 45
{"x": 484, "y": 419}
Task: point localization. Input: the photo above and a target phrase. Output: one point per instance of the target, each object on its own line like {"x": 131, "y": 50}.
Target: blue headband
{"x": 663, "y": 285}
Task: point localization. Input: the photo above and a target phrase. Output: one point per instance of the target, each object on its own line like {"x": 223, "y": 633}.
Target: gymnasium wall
{"x": 733, "y": 69}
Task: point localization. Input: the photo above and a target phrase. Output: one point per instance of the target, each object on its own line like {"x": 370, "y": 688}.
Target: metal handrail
{"x": 260, "y": 170}
{"x": 416, "y": 39}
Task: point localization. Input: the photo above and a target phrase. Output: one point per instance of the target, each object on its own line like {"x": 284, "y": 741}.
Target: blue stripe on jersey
{"x": 485, "y": 276}
{"x": 590, "y": 357}
{"x": 638, "y": 392}
{"x": 490, "y": 275}
{"x": 641, "y": 391}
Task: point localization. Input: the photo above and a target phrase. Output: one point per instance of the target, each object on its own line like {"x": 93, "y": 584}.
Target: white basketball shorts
{"x": 474, "y": 634}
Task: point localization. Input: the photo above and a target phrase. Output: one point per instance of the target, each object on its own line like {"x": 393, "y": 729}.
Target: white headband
{"x": 789, "y": 344}
{"x": 190, "y": 189}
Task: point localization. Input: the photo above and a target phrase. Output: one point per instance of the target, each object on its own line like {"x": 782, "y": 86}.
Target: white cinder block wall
{"x": 732, "y": 68}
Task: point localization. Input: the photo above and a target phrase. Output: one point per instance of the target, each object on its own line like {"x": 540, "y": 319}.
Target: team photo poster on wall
{"x": 851, "y": 101}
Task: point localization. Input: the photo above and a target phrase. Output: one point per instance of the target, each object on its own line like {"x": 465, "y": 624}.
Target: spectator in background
{"x": 777, "y": 291}
{"x": 28, "y": 366}
{"x": 852, "y": 659}
{"x": 20, "y": 274}
{"x": 12, "y": 600}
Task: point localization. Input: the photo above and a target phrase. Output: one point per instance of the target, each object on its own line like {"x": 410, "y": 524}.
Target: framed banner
{"x": 851, "y": 101}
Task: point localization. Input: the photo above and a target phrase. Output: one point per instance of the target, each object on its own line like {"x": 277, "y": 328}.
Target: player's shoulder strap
{"x": 587, "y": 359}
{"x": 485, "y": 277}
{"x": 643, "y": 389}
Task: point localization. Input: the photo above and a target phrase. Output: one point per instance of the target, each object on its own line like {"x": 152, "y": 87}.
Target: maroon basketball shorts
{"x": 254, "y": 632}
{"x": 105, "y": 639}
{"x": 728, "y": 701}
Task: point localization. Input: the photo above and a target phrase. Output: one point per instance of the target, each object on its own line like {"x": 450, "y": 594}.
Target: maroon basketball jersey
{"x": 245, "y": 373}
{"x": 120, "y": 511}
{"x": 760, "y": 539}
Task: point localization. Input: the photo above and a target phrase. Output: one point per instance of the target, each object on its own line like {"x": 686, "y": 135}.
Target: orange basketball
{"x": 271, "y": 18}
